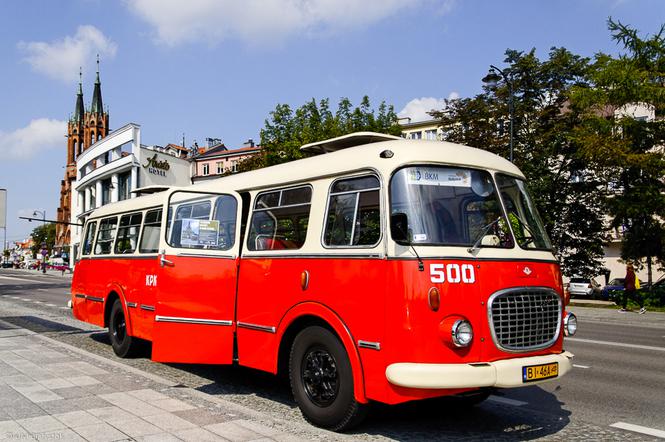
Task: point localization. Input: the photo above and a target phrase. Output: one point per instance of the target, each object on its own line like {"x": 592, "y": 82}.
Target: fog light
{"x": 570, "y": 324}
{"x": 462, "y": 333}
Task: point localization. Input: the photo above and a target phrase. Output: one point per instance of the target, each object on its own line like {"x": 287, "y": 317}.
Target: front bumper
{"x": 504, "y": 374}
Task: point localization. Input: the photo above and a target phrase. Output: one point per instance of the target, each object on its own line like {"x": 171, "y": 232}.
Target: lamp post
{"x": 43, "y": 251}
{"x": 494, "y": 75}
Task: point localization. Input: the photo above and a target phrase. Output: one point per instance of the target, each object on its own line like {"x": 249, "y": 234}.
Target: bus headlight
{"x": 462, "y": 333}
{"x": 570, "y": 324}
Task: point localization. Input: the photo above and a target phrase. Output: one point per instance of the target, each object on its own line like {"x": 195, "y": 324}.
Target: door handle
{"x": 163, "y": 261}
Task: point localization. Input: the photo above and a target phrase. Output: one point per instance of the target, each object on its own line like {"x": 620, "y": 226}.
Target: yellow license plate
{"x": 532, "y": 373}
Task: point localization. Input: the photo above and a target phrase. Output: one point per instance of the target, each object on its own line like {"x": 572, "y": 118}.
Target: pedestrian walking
{"x": 630, "y": 286}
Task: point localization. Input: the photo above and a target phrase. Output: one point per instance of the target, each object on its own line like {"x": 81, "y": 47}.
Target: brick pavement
{"x": 50, "y": 391}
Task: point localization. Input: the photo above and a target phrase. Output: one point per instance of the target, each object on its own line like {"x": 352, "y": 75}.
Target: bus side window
{"x": 280, "y": 219}
{"x": 353, "y": 217}
{"x": 105, "y": 236}
{"x": 226, "y": 209}
{"x": 128, "y": 233}
{"x": 150, "y": 234}
{"x": 89, "y": 238}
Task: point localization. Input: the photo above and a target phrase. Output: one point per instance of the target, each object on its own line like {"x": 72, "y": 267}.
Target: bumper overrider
{"x": 506, "y": 373}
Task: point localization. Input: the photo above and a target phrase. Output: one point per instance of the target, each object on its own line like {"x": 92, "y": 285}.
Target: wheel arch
{"x": 308, "y": 314}
{"x": 115, "y": 292}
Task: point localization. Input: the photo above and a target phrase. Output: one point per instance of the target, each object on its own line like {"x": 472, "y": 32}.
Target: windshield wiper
{"x": 526, "y": 226}
{"x": 476, "y": 245}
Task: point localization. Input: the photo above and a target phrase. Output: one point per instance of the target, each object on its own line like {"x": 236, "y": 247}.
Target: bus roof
{"x": 366, "y": 156}
{"x": 342, "y": 159}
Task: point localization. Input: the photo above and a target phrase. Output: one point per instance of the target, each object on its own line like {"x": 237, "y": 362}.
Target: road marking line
{"x": 15, "y": 297}
{"x": 13, "y": 278}
{"x": 38, "y": 302}
{"x": 43, "y": 290}
{"x": 25, "y": 299}
{"x": 51, "y": 305}
{"x": 581, "y": 366}
{"x": 639, "y": 429}
{"x": 506, "y": 401}
{"x": 616, "y": 344}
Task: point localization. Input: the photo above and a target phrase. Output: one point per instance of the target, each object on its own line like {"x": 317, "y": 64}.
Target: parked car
{"x": 584, "y": 287}
{"x": 615, "y": 285}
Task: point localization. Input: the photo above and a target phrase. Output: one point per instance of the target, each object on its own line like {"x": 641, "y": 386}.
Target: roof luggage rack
{"x": 346, "y": 141}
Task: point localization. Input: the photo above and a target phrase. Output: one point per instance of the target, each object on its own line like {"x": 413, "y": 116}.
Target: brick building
{"x": 85, "y": 127}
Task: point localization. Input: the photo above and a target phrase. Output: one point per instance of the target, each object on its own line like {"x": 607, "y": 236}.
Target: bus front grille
{"x": 525, "y": 318}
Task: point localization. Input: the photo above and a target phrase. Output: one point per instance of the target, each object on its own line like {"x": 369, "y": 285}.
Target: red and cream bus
{"x": 378, "y": 269}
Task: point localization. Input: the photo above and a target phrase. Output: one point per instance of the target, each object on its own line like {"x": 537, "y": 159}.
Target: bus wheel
{"x": 322, "y": 380}
{"x": 123, "y": 344}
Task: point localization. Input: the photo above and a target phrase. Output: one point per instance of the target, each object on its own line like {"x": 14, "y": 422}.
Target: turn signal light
{"x": 434, "y": 299}
{"x": 304, "y": 280}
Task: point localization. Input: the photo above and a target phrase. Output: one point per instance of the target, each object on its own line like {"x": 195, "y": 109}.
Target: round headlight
{"x": 462, "y": 333}
{"x": 570, "y": 324}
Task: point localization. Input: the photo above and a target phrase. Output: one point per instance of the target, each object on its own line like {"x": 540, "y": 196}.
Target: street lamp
{"x": 495, "y": 74}
{"x": 44, "y": 252}
{"x": 42, "y": 213}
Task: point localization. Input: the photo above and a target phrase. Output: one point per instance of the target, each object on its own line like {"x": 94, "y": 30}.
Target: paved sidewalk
{"x": 51, "y": 391}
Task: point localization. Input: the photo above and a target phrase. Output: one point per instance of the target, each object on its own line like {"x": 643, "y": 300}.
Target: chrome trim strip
{"x": 257, "y": 327}
{"x": 204, "y": 255}
{"x": 490, "y": 318}
{"x": 369, "y": 344}
{"x": 148, "y": 308}
{"x": 251, "y": 255}
{"x": 94, "y": 298}
{"x": 132, "y": 304}
{"x": 79, "y": 295}
{"x": 179, "y": 320}
{"x": 468, "y": 258}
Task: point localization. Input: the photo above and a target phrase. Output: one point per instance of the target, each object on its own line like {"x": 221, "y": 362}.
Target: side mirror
{"x": 399, "y": 228}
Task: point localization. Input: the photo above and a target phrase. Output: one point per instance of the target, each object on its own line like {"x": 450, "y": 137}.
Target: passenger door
{"x": 196, "y": 281}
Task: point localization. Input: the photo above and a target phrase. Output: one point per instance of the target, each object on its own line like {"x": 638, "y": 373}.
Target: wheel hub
{"x": 320, "y": 377}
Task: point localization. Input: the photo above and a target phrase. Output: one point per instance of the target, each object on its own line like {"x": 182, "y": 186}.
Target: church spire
{"x": 97, "y": 107}
{"x": 78, "y": 111}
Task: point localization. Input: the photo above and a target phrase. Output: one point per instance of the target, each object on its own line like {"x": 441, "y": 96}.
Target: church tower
{"x": 83, "y": 130}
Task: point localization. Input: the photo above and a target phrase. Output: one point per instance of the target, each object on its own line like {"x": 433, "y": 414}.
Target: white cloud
{"x": 262, "y": 21}
{"x": 60, "y": 59}
{"x": 417, "y": 108}
{"x": 39, "y": 135}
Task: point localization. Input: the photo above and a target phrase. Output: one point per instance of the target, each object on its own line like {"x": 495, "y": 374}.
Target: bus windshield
{"x": 449, "y": 206}
{"x": 522, "y": 214}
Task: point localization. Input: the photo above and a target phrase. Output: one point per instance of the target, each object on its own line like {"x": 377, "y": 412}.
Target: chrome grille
{"x": 524, "y": 319}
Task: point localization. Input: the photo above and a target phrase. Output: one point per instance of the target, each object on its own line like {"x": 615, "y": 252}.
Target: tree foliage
{"x": 562, "y": 182}
{"x": 44, "y": 234}
{"x": 286, "y": 130}
{"x": 626, "y": 148}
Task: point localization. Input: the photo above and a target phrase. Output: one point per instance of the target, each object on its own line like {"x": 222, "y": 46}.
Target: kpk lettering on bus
{"x": 378, "y": 269}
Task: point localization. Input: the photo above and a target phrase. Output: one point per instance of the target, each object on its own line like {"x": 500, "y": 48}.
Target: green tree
{"x": 286, "y": 130}
{"x": 628, "y": 148}
{"x": 563, "y": 183}
{"x": 44, "y": 234}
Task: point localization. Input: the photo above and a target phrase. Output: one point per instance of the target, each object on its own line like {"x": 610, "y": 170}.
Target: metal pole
{"x": 511, "y": 110}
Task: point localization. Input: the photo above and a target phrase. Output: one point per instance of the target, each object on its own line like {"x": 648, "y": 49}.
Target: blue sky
{"x": 216, "y": 68}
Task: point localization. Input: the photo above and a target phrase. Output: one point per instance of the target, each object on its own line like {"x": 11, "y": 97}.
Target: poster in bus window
{"x": 199, "y": 232}
{"x": 434, "y": 176}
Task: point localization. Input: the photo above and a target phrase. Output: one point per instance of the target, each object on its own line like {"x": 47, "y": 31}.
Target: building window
{"x": 234, "y": 166}
{"x": 220, "y": 168}
{"x": 106, "y": 191}
{"x": 416, "y": 135}
{"x": 206, "y": 169}
{"x": 107, "y": 157}
{"x": 430, "y": 134}
{"x": 124, "y": 185}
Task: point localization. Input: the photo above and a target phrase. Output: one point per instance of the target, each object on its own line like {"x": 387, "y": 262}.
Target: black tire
{"x": 322, "y": 380}
{"x": 123, "y": 344}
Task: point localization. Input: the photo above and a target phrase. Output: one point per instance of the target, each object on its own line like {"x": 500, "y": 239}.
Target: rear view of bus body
{"x": 382, "y": 270}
